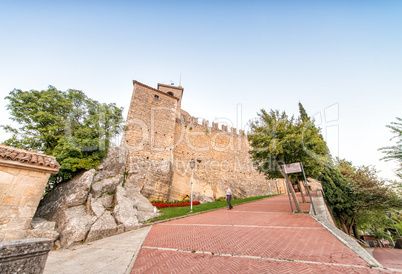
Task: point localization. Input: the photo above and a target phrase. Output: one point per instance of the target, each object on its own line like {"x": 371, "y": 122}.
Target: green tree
{"x": 278, "y": 139}
{"x": 368, "y": 192}
{"x": 66, "y": 124}
{"x": 303, "y": 113}
{"x": 395, "y": 152}
{"x": 338, "y": 195}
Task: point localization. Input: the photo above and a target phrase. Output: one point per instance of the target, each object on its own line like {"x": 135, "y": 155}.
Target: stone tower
{"x": 150, "y": 137}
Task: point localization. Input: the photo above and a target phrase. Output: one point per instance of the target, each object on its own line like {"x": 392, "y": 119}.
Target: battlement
{"x": 196, "y": 122}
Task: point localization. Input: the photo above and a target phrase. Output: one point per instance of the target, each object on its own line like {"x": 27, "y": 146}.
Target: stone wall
{"x": 162, "y": 138}
{"x": 22, "y": 183}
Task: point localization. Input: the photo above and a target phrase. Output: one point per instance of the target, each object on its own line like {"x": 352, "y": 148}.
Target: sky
{"x": 341, "y": 59}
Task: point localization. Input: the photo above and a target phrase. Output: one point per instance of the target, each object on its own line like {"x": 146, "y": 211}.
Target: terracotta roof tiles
{"x": 29, "y": 157}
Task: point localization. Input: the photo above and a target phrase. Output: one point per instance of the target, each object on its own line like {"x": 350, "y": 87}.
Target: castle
{"x": 161, "y": 139}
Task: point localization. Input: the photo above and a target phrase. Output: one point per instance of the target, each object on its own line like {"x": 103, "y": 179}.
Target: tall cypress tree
{"x": 303, "y": 113}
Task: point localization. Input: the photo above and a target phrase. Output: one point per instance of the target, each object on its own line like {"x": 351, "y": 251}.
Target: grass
{"x": 173, "y": 212}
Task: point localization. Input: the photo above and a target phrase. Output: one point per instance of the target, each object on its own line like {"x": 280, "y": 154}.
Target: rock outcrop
{"x": 93, "y": 205}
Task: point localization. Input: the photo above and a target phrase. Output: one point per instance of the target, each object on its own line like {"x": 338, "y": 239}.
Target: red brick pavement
{"x": 391, "y": 258}
{"x": 259, "y": 237}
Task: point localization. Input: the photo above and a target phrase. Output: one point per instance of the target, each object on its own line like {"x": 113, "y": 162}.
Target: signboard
{"x": 292, "y": 168}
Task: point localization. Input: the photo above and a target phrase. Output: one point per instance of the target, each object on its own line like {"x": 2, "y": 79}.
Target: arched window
{"x": 170, "y": 93}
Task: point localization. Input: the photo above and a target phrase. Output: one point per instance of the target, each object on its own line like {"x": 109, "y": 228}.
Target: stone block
{"x": 17, "y": 190}
{"x": 33, "y": 191}
{"x": 18, "y": 223}
{"x": 26, "y": 211}
{"x": 42, "y": 234}
{"x": 24, "y": 256}
{"x": 14, "y": 235}
{"x": 9, "y": 170}
{"x": 38, "y": 174}
{"x": 39, "y": 223}
{"x": 11, "y": 200}
{"x": 5, "y": 188}
{"x": 33, "y": 201}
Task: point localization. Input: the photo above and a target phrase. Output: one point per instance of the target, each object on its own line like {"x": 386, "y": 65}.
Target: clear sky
{"x": 341, "y": 59}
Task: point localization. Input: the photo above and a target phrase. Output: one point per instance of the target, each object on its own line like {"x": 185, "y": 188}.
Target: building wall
{"x": 162, "y": 138}
{"x": 149, "y": 139}
{"x": 20, "y": 193}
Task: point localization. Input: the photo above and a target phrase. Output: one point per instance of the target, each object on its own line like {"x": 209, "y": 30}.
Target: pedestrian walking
{"x": 229, "y": 197}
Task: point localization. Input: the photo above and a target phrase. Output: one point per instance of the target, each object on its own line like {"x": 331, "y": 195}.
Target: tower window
{"x": 170, "y": 93}
{"x": 156, "y": 98}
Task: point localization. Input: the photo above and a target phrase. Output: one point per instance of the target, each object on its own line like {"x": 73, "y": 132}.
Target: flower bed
{"x": 173, "y": 204}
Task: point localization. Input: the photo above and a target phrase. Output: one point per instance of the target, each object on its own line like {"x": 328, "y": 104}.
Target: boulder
{"x": 142, "y": 216}
{"x": 202, "y": 199}
{"x": 105, "y": 226}
{"x": 40, "y": 228}
{"x": 42, "y": 234}
{"x": 96, "y": 207}
{"x": 39, "y": 223}
{"x": 106, "y": 186}
{"x": 125, "y": 212}
{"x": 73, "y": 225}
{"x": 113, "y": 164}
{"x": 68, "y": 194}
{"x": 140, "y": 202}
{"x": 106, "y": 200}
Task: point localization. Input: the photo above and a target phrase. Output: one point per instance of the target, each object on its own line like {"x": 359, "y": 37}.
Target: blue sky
{"x": 342, "y": 57}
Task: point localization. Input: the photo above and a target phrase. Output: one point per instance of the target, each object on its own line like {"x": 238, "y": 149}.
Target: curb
{"x": 134, "y": 258}
{"x": 322, "y": 219}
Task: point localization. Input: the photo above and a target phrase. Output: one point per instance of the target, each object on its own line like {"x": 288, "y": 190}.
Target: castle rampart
{"x": 161, "y": 139}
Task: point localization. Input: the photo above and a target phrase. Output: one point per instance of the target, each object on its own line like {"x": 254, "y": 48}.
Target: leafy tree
{"x": 368, "y": 192}
{"x": 278, "y": 139}
{"x": 303, "y": 113}
{"x": 338, "y": 194}
{"x": 395, "y": 152}
{"x": 65, "y": 124}
{"x": 376, "y": 220}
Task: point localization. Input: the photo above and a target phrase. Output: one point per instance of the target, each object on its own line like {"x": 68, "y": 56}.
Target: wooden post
{"x": 301, "y": 190}
{"x": 292, "y": 191}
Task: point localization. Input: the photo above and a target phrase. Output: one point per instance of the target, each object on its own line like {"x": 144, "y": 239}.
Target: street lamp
{"x": 192, "y": 165}
{"x": 389, "y": 216}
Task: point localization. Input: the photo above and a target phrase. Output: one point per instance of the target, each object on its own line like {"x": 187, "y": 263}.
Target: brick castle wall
{"x": 162, "y": 138}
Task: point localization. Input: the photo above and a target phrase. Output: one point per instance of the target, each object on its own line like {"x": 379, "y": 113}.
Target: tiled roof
{"x": 29, "y": 157}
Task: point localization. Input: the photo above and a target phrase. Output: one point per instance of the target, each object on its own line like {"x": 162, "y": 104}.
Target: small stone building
{"x": 23, "y": 178}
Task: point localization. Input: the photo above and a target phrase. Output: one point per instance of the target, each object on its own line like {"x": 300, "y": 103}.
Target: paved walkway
{"x": 259, "y": 237}
{"x": 114, "y": 254}
{"x": 390, "y": 258}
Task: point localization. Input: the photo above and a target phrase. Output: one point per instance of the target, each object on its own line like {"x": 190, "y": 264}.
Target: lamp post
{"x": 192, "y": 165}
{"x": 389, "y": 234}
{"x": 389, "y": 216}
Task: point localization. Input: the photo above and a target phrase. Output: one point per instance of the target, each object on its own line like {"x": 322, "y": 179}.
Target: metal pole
{"x": 191, "y": 196}
{"x": 288, "y": 190}
{"x": 389, "y": 234}
{"x": 308, "y": 190}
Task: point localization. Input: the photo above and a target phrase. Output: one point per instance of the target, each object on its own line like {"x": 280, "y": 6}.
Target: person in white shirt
{"x": 229, "y": 196}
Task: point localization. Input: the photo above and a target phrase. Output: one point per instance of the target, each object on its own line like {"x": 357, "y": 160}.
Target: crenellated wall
{"x": 162, "y": 139}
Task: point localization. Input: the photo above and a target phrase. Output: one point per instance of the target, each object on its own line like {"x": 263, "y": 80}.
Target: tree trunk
{"x": 301, "y": 190}
{"x": 357, "y": 236}
{"x": 292, "y": 191}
